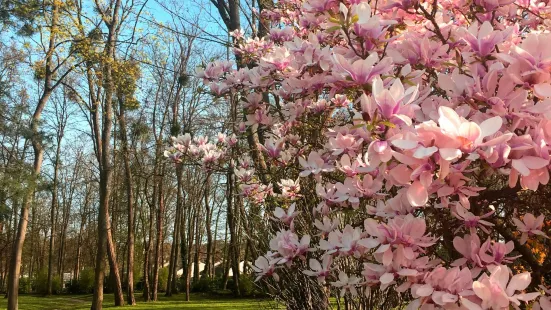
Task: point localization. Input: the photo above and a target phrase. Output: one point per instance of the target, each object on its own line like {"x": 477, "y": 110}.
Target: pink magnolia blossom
{"x": 484, "y": 39}
{"x": 495, "y": 252}
{"x": 348, "y": 191}
{"x": 260, "y": 117}
{"x": 482, "y": 255}
{"x": 286, "y": 216}
{"x": 544, "y": 302}
{"x": 327, "y": 225}
{"x": 344, "y": 144}
{"x": 419, "y": 50}
{"x": 290, "y": 189}
{"x": 377, "y": 152}
{"x": 497, "y": 292}
{"x": 346, "y": 283}
{"x": 314, "y": 165}
{"x": 393, "y": 102}
{"x": 349, "y": 242}
{"x": 463, "y": 134}
{"x": 244, "y": 175}
{"x": 319, "y": 270}
{"x": 408, "y": 231}
{"x": 265, "y": 268}
{"x": 352, "y": 168}
{"x": 273, "y": 147}
{"x": 471, "y": 221}
{"x": 530, "y": 226}
{"x": 362, "y": 71}
{"x": 286, "y": 246}
{"x": 530, "y": 61}
{"x": 530, "y": 170}
{"x": 469, "y": 247}
{"x": 445, "y": 287}
{"x": 456, "y": 85}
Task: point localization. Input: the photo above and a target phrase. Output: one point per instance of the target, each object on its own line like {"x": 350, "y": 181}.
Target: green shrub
{"x": 73, "y": 287}
{"x": 204, "y": 285}
{"x": 86, "y": 281}
{"x": 40, "y": 284}
{"x": 163, "y": 279}
{"x": 247, "y": 286}
{"x": 24, "y": 286}
{"x": 230, "y": 285}
{"x": 138, "y": 274}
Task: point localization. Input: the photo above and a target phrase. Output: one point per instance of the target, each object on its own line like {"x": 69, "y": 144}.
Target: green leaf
{"x": 333, "y": 29}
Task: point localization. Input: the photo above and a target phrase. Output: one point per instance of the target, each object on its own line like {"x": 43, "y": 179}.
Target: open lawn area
{"x": 82, "y": 302}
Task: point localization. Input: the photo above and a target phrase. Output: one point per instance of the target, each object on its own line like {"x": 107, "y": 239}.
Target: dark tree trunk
{"x": 208, "y": 223}
{"x": 172, "y": 283}
{"x": 159, "y": 239}
{"x": 234, "y": 245}
{"x": 38, "y": 152}
{"x": 146, "y": 263}
{"x": 53, "y": 216}
{"x": 105, "y": 241}
{"x": 130, "y": 299}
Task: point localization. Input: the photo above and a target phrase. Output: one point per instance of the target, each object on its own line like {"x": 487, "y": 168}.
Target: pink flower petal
{"x": 542, "y": 90}
{"x": 386, "y": 278}
{"x": 490, "y": 126}
{"x": 424, "y": 290}
{"x": 518, "y": 283}
{"x": 417, "y": 194}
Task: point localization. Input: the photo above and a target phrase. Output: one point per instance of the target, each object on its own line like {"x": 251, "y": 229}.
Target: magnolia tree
{"x": 399, "y": 149}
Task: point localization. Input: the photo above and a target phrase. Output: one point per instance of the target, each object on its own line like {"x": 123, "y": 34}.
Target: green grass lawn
{"x": 83, "y": 302}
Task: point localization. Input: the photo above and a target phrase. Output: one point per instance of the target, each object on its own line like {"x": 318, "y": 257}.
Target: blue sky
{"x": 208, "y": 23}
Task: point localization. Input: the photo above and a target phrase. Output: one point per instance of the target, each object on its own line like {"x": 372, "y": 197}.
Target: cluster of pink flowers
{"x": 416, "y": 102}
{"x": 198, "y": 150}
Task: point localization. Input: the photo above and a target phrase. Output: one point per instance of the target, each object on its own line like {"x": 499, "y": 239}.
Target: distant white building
{"x": 67, "y": 276}
{"x": 202, "y": 268}
{"x": 180, "y": 272}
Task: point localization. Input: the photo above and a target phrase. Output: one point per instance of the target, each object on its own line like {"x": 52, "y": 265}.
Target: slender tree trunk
{"x": 15, "y": 263}
{"x": 78, "y": 252}
{"x": 174, "y": 268}
{"x": 172, "y": 285}
{"x": 130, "y": 299}
{"x": 147, "y": 260}
{"x": 34, "y": 234}
{"x": 213, "y": 268}
{"x": 53, "y": 215}
{"x": 113, "y": 266}
{"x": 97, "y": 301}
{"x": 173, "y": 252}
{"x": 38, "y": 151}
{"x": 159, "y": 240}
{"x": 63, "y": 238}
{"x": 184, "y": 245}
{"x": 173, "y": 255}
{"x": 168, "y": 292}
{"x": 225, "y": 260}
{"x": 104, "y": 230}
{"x": 181, "y": 231}
{"x": 208, "y": 223}
{"x": 83, "y": 222}
{"x": 146, "y": 287}
{"x": 234, "y": 246}
{"x": 198, "y": 242}
{"x": 191, "y": 237}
